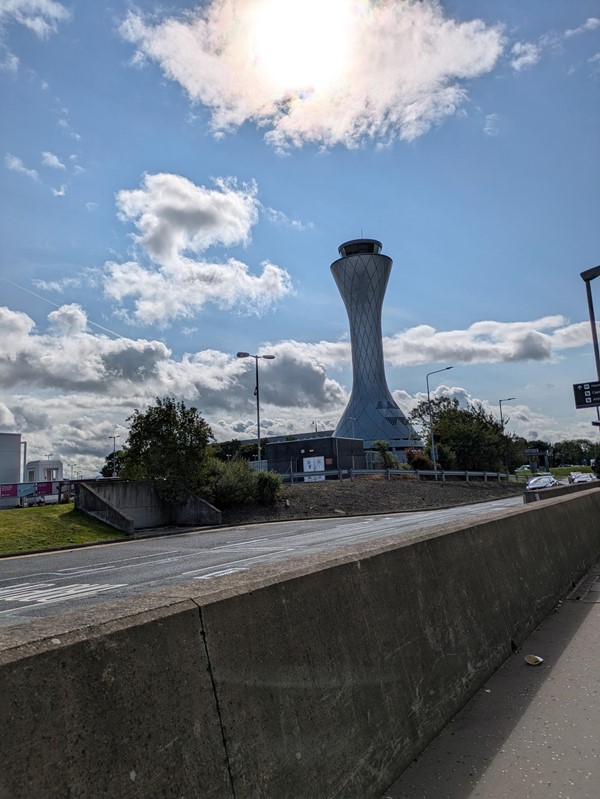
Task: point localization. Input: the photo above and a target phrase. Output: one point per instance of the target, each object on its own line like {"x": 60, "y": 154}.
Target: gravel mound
{"x": 368, "y": 495}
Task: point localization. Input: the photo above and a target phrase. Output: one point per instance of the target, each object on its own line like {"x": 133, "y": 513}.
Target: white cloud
{"x": 176, "y": 219}
{"x": 175, "y": 215}
{"x": 40, "y": 16}
{"x": 9, "y": 61}
{"x": 57, "y": 285}
{"x": 16, "y": 165}
{"x": 526, "y": 54}
{"x": 483, "y": 342}
{"x": 591, "y": 24}
{"x": 492, "y": 124}
{"x": 279, "y": 218}
{"x": 51, "y": 160}
{"x": 60, "y": 192}
{"x": 487, "y": 342}
{"x": 372, "y": 71}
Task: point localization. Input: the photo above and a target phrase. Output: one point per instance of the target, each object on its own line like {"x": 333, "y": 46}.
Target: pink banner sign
{"x": 43, "y": 488}
{"x": 8, "y": 490}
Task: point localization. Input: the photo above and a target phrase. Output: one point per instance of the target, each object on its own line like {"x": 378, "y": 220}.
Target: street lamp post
{"x": 114, "y": 438}
{"x": 508, "y": 399}
{"x": 433, "y": 455}
{"x": 587, "y": 276}
{"x": 257, "y": 395}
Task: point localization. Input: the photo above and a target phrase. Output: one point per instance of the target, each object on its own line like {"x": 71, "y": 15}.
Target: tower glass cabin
{"x": 361, "y": 275}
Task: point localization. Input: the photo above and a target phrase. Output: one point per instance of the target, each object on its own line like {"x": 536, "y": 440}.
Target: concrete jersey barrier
{"x": 321, "y": 678}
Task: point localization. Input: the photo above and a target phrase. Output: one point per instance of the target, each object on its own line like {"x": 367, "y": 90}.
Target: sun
{"x": 301, "y": 45}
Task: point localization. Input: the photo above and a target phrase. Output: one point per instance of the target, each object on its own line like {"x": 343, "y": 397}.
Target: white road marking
{"x": 219, "y": 574}
{"x": 108, "y": 563}
{"x": 46, "y": 593}
{"x": 233, "y": 562}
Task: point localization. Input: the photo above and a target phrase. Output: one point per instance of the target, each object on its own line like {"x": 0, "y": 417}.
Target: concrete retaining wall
{"x": 321, "y": 678}
{"x": 137, "y": 502}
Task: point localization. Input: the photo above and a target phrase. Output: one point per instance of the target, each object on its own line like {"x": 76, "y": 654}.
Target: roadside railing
{"x": 419, "y": 474}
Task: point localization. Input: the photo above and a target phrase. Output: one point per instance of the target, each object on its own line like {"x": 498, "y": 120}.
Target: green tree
{"x": 168, "y": 443}
{"x": 113, "y": 463}
{"x": 574, "y": 451}
{"x": 468, "y": 438}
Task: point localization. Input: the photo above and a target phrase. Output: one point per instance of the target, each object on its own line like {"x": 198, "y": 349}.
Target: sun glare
{"x": 302, "y": 45}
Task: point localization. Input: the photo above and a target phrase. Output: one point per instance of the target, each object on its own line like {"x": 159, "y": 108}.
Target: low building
{"x": 43, "y": 471}
{"x": 315, "y": 454}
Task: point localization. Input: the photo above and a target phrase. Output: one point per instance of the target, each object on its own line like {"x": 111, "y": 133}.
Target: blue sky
{"x": 177, "y": 180}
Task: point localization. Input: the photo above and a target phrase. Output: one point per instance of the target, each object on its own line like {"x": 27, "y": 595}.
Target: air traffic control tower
{"x": 361, "y": 275}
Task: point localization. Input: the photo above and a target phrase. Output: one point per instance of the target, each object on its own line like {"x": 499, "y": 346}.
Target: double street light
{"x": 433, "y": 453}
{"x": 257, "y": 395}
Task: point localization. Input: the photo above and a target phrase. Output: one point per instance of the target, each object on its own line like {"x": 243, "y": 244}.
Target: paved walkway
{"x": 531, "y": 732}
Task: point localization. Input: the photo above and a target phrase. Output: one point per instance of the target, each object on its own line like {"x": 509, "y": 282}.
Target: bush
{"x": 418, "y": 459}
{"x": 268, "y": 487}
{"x": 235, "y": 483}
{"x": 232, "y": 483}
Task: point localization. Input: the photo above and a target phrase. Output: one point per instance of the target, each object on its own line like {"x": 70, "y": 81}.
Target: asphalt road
{"x": 33, "y": 586}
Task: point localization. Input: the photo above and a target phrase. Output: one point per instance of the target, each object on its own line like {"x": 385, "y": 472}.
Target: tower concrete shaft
{"x": 361, "y": 275}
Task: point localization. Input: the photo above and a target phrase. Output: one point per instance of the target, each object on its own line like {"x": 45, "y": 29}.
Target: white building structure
{"x": 43, "y": 471}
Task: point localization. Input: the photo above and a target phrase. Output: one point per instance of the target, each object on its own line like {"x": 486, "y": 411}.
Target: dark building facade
{"x": 317, "y": 454}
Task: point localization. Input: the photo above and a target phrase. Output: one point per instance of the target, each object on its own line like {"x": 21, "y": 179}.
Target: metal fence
{"x": 419, "y": 474}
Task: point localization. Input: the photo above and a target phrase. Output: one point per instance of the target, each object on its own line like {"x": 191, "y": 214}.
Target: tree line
{"x": 173, "y": 444}
{"x": 472, "y": 439}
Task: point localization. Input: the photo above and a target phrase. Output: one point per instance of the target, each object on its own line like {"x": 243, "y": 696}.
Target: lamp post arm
{"x": 588, "y": 291}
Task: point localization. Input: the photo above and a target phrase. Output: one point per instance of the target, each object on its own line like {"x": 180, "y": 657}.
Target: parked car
{"x": 524, "y": 468}
{"x": 573, "y": 476}
{"x": 541, "y": 481}
{"x": 585, "y": 477}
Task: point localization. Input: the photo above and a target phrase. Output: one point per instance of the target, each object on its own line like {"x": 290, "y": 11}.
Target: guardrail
{"x": 342, "y": 474}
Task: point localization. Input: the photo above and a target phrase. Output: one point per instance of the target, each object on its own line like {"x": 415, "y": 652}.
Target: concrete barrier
{"x": 135, "y": 504}
{"x": 323, "y": 677}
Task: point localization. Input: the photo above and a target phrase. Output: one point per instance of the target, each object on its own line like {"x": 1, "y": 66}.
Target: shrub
{"x": 418, "y": 459}
{"x": 232, "y": 483}
{"x": 268, "y": 487}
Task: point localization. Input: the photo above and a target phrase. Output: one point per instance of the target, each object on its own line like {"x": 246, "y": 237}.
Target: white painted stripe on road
{"x": 233, "y": 562}
{"x": 219, "y": 574}
{"x": 105, "y": 563}
{"x": 46, "y": 593}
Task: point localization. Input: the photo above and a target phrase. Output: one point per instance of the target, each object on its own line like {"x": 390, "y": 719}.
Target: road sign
{"x": 587, "y": 395}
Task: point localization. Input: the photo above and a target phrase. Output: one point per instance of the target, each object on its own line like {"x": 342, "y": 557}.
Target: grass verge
{"x": 29, "y": 529}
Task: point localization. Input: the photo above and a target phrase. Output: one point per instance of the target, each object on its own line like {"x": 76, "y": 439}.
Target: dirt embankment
{"x": 366, "y": 495}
